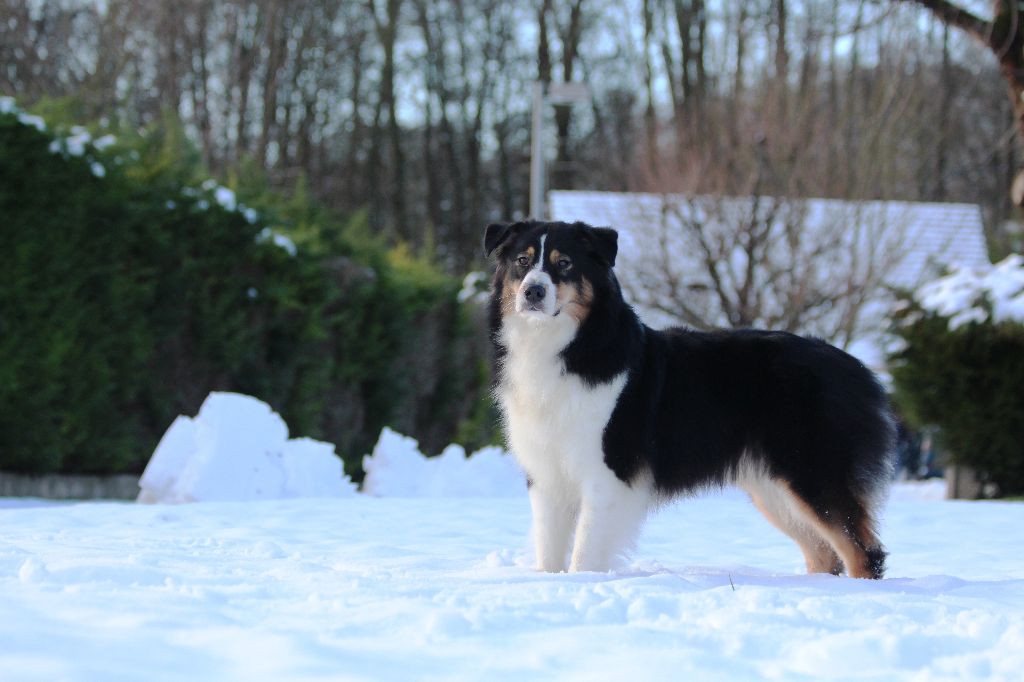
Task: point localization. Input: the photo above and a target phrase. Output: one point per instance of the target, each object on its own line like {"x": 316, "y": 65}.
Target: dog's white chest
{"x": 555, "y": 422}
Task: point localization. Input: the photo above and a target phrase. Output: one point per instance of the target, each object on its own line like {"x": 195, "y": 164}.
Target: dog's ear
{"x": 496, "y": 234}
{"x": 603, "y": 241}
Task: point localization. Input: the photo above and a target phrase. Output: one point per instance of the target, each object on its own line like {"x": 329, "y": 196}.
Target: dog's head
{"x": 545, "y": 270}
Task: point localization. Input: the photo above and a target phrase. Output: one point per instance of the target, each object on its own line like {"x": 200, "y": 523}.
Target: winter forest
{"x": 418, "y": 112}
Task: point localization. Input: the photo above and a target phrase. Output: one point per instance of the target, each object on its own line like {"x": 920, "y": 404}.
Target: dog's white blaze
{"x": 536, "y": 275}
{"x": 555, "y": 424}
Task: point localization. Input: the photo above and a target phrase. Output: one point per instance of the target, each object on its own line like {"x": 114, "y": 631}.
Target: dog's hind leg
{"x": 775, "y": 502}
{"x": 847, "y": 523}
{"x": 611, "y": 515}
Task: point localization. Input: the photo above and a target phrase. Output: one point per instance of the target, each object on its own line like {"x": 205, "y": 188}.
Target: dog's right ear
{"x": 496, "y": 234}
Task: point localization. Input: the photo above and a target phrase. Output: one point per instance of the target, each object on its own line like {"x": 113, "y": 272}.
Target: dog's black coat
{"x": 696, "y": 402}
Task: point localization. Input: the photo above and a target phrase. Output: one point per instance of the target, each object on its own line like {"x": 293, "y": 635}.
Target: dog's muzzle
{"x": 536, "y": 294}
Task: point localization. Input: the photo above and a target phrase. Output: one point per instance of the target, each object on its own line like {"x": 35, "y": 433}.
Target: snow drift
{"x": 237, "y": 448}
{"x": 397, "y": 468}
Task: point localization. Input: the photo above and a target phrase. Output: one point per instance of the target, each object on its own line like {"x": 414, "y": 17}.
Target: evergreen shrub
{"x": 131, "y": 290}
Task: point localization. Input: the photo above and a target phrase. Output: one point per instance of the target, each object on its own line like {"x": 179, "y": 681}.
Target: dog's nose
{"x": 535, "y": 293}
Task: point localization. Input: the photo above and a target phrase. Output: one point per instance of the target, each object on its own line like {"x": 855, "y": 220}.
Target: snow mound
{"x": 397, "y": 468}
{"x": 237, "y": 448}
{"x": 969, "y": 295}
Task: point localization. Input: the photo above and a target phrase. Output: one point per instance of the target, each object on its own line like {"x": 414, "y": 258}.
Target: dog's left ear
{"x": 604, "y": 242}
{"x": 495, "y": 235}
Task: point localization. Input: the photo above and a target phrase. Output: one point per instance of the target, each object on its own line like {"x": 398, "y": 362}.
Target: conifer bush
{"x": 131, "y": 288}
{"x": 961, "y": 368}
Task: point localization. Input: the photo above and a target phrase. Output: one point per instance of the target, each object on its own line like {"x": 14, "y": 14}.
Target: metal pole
{"x": 536, "y": 154}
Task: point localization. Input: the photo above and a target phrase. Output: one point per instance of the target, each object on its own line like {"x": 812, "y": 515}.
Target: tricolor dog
{"x": 609, "y": 418}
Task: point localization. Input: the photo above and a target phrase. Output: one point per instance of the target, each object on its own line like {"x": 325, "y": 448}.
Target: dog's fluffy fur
{"x": 608, "y": 417}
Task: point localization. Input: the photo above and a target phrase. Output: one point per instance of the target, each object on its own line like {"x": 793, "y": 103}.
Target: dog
{"x": 609, "y": 418}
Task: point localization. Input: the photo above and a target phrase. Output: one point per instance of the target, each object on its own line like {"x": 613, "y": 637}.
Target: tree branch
{"x": 957, "y": 16}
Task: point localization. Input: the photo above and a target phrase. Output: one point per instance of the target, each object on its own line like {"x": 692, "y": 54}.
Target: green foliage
{"x": 127, "y": 298}
{"x": 967, "y": 382}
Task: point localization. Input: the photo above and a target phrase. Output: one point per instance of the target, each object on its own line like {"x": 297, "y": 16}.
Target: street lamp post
{"x": 551, "y": 93}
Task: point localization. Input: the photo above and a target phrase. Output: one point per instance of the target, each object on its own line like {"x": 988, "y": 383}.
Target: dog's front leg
{"x": 553, "y": 518}
{"x": 610, "y": 518}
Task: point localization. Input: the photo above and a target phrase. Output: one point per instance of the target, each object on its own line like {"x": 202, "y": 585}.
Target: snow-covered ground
{"x": 368, "y": 588}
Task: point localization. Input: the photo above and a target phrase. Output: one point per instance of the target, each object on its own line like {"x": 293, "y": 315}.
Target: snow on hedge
{"x": 80, "y": 143}
{"x": 237, "y": 448}
{"x": 397, "y": 468}
{"x": 980, "y": 294}
{"x": 474, "y": 288}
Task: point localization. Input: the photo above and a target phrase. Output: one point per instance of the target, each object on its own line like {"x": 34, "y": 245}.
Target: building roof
{"x": 918, "y": 241}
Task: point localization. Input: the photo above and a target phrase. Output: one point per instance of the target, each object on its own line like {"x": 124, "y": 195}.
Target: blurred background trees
{"x": 418, "y": 112}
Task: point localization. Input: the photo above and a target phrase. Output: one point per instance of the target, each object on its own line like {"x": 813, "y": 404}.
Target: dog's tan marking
{"x": 509, "y": 287}
{"x": 818, "y": 553}
{"x": 576, "y": 300}
{"x": 555, "y": 255}
{"x": 849, "y": 548}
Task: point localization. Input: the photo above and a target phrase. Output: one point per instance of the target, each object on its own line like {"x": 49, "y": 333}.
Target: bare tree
{"x": 771, "y": 262}
{"x": 1003, "y": 35}
{"x": 418, "y": 112}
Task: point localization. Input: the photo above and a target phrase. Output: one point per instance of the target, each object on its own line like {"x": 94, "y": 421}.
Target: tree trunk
{"x": 942, "y": 149}
{"x": 781, "y": 46}
{"x": 1004, "y": 36}
{"x": 563, "y": 174}
{"x": 650, "y": 119}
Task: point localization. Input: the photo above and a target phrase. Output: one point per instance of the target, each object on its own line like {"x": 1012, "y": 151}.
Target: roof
{"x": 916, "y": 241}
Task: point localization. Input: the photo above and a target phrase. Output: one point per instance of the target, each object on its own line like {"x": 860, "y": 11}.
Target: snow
{"x": 77, "y": 143}
{"x": 977, "y": 294}
{"x": 104, "y": 142}
{"x": 397, "y": 468}
{"x": 278, "y": 239}
{"x": 32, "y": 121}
{"x": 226, "y": 198}
{"x": 362, "y": 588}
{"x": 237, "y": 448}
{"x": 474, "y": 288}
{"x": 80, "y": 143}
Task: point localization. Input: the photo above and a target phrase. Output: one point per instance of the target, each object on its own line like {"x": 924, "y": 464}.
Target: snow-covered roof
{"x": 916, "y": 241}
{"x": 933, "y": 235}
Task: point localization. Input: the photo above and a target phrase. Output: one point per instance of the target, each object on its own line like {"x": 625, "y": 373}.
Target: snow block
{"x": 237, "y": 448}
{"x": 397, "y": 468}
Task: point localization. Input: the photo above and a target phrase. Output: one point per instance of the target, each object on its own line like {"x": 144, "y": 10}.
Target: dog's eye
{"x": 564, "y": 263}
{"x": 523, "y": 261}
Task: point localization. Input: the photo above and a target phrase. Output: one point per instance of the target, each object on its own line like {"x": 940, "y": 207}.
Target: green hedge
{"x": 970, "y": 383}
{"x": 126, "y": 298}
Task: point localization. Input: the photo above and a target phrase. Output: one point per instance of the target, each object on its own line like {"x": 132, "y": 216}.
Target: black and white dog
{"x": 609, "y": 417}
